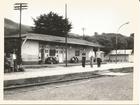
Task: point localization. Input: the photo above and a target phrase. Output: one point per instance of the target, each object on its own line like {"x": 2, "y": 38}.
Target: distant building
{"x": 39, "y": 46}
{"x": 122, "y": 56}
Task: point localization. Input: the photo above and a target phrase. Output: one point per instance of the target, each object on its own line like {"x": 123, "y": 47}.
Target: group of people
{"x": 10, "y": 63}
{"x": 93, "y": 58}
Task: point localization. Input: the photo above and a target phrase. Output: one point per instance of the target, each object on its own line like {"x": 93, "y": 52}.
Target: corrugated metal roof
{"x": 50, "y": 38}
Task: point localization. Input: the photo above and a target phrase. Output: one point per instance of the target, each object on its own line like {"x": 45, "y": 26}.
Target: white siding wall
{"x": 30, "y": 51}
{"x": 71, "y": 53}
{"x": 120, "y": 58}
{"x": 131, "y": 58}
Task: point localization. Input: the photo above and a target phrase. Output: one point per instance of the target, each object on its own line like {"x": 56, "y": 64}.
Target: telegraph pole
{"x": 83, "y": 29}
{"x": 20, "y": 7}
{"x": 66, "y": 34}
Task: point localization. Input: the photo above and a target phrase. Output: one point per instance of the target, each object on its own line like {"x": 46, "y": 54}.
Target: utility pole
{"x": 66, "y": 35}
{"x": 20, "y": 7}
{"x": 83, "y": 29}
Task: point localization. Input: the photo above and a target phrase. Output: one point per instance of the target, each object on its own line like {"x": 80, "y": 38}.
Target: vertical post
{"x": 20, "y": 58}
{"x": 125, "y": 60}
{"x": 83, "y": 33}
{"x": 20, "y": 7}
{"x": 116, "y": 47}
{"x": 66, "y": 34}
{"x": 125, "y": 55}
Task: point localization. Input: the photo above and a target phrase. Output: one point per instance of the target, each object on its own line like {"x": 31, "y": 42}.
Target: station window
{"x": 61, "y": 51}
{"x": 46, "y": 51}
{"x": 52, "y": 52}
{"x": 56, "y": 51}
{"x": 77, "y": 53}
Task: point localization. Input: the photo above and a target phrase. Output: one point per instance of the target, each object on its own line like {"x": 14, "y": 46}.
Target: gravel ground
{"x": 103, "y": 88}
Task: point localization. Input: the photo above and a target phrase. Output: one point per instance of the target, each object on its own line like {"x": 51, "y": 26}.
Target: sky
{"x": 101, "y": 16}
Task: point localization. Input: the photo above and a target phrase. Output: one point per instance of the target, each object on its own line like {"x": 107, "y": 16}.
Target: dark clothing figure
{"x": 15, "y": 66}
{"x": 91, "y": 61}
{"x": 6, "y": 65}
{"x": 39, "y": 60}
{"x": 98, "y": 62}
{"x": 83, "y": 59}
{"x": 11, "y": 63}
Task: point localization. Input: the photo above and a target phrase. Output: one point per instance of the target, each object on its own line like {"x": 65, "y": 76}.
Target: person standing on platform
{"x": 91, "y": 56}
{"x": 99, "y": 60}
{"x": 83, "y": 59}
{"x": 11, "y": 63}
{"x": 6, "y": 64}
{"x": 15, "y": 62}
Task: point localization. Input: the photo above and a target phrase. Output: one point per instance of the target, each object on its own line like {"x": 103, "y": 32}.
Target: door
{"x": 60, "y": 57}
{"x": 42, "y": 54}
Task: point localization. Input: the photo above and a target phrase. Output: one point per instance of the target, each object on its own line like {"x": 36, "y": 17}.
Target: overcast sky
{"x": 102, "y": 16}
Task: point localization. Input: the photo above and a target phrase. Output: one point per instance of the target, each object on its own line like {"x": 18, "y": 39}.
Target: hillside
{"x": 108, "y": 40}
{"x": 11, "y": 27}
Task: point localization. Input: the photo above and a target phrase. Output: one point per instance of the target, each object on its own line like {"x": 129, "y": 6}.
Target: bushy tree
{"x": 130, "y": 41}
{"x": 51, "y": 24}
{"x": 108, "y": 40}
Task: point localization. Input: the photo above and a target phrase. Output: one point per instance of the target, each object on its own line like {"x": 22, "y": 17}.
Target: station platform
{"x": 47, "y": 75}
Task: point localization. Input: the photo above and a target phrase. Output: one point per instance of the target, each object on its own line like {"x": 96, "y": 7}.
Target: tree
{"x": 52, "y": 24}
{"x": 108, "y": 40}
{"x": 130, "y": 41}
{"x": 96, "y": 33}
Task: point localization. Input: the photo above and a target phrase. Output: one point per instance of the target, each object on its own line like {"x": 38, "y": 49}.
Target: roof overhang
{"x": 50, "y": 38}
